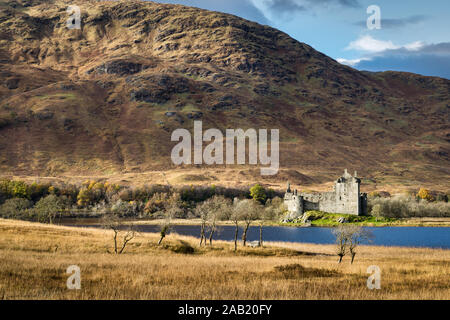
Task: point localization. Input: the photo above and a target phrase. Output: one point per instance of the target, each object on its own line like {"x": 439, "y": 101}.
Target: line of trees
{"x": 405, "y": 206}
{"x": 242, "y": 212}
{"x": 18, "y": 199}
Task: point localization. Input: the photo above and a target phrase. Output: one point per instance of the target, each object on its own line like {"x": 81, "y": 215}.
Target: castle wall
{"x": 345, "y": 198}
{"x": 325, "y": 201}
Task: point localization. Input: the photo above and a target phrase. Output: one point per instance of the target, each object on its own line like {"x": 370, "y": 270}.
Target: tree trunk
{"x": 244, "y": 234}
{"x": 213, "y": 229}
{"x": 128, "y": 237}
{"x": 123, "y": 247}
{"x": 236, "y": 236}
{"x": 260, "y": 235}
{"x": 202, "y": 234}
{"x": 340, "y": 258}
{"x": 160, "y": 240}
{"x": 115, "y": 241}
{"x": 353, "y": 256}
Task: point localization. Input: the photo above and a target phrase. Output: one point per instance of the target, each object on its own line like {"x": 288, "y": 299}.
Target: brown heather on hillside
{"x": 104, "y": 100}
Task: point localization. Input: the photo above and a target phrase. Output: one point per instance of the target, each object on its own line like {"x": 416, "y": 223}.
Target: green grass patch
{"x": 323, "y": 219}
{"x": 64, "y": 96}
{"x": 190, "y": 108}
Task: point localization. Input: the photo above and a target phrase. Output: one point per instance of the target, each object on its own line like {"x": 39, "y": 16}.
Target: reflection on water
{"x": 433, "y": 237}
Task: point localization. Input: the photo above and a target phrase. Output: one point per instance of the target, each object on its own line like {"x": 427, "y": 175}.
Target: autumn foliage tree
{"x": 425, "y": 195}
{"x": 258, "y": 193}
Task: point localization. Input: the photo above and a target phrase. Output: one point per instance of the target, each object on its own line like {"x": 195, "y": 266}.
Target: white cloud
{"x": 374, "y": 47}
{"x": 414, "y": 46}
{"x": 369, "y": 44}
{"x": 417, "y": 57}
{"x": 351, "y": 62}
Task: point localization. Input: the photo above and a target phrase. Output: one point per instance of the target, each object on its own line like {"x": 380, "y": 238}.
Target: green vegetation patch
{"x": 321, "y": 219}
{"x": 61, "y": 96}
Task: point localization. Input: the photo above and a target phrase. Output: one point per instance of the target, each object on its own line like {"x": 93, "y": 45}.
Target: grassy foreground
{"x": 34, "y": 259}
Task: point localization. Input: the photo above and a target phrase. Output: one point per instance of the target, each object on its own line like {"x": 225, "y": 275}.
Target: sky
{"x": 411, "y": 36}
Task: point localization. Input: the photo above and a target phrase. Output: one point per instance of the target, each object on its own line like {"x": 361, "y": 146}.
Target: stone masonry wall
{"x": 345, "y": 198}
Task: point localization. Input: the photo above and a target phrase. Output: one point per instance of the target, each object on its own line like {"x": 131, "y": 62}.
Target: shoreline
{"x": 405, "y": 222}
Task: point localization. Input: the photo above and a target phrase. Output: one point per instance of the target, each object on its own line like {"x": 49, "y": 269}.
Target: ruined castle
{"x": 345, "y": 198}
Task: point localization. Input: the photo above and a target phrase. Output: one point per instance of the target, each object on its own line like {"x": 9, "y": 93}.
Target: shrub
{"x": 195, "y": 194}
{"x": 378, "y": 194}
{"x": 92, "y": 192}
{"x": 442, "y": 197}
{"x": 156, "y": 203}
{"x": 15, "y": 208}
{"x": 84, "y": 197}
{"x": 275, "y": 209}
{"x": 183, "y": 247}
{"x": 47, "y": 208}
{"x": 125, "y": 208}
{"x": 402, "y": 206}
{"x": 111, "y": 190}
{"x": 37, "y": 191}
{"x": 14, "y": 189}
{"x": 69, "y": 191}
{"x": 146, "y": 192}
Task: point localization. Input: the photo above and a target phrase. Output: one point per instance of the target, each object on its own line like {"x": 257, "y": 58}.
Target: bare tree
{"x": 341, "y": 241}
{"x": 348, "y": 237}
{"x": 202, "y": 211}
{"x": 269, "y": 213}
{"x": 172, "y": 208}
{"x": 210, "y": 211}
{"x": 212, "y": 225}
{"x": 235, "y": 215}
{"x": 220, "y": 210}
{"x": 116, "y": 224}
{"x": 249, "y": 211}
{"x": 355, "y": 235}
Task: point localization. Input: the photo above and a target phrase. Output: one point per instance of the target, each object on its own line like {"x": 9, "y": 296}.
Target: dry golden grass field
{"x": 34, "y": 259}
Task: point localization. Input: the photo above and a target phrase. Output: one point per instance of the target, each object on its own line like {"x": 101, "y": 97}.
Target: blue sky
{"x": 414, "y": 34}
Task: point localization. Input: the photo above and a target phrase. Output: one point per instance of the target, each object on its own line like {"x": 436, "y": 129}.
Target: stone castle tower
{"x": 345, "y": 198}
{"x": 294, "y": 203}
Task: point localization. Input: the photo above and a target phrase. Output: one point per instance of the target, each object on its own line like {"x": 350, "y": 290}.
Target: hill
{"x": 104, "y": 100}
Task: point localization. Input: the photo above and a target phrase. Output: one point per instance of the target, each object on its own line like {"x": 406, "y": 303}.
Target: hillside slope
{"x": 105, "y": 99}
